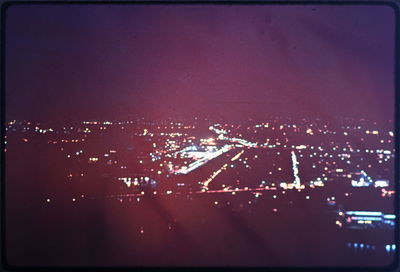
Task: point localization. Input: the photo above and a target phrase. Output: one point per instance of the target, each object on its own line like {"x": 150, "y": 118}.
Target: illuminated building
{"x": 368, "y": 219}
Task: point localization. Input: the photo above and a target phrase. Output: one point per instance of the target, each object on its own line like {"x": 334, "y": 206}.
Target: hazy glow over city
{"x": 200, "y": 135}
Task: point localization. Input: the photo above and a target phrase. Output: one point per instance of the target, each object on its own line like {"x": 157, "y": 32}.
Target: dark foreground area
{"x": 175, "y": 231}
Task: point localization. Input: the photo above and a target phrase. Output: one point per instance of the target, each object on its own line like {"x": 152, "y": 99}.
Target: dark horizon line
{"x": 248, "y": 117}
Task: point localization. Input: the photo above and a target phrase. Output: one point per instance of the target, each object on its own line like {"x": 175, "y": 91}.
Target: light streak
{"x": 365, "y": 213}
{"x": 296, "y": 181}
{"x": 237, "y": 156}
{"x": 213, "y": 176}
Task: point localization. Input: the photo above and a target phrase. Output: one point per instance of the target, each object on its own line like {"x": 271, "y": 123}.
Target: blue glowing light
{"x": 365, "y": 213}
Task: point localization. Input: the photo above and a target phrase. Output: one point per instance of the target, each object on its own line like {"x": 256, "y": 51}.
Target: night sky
{"x": 78, "y": 62}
